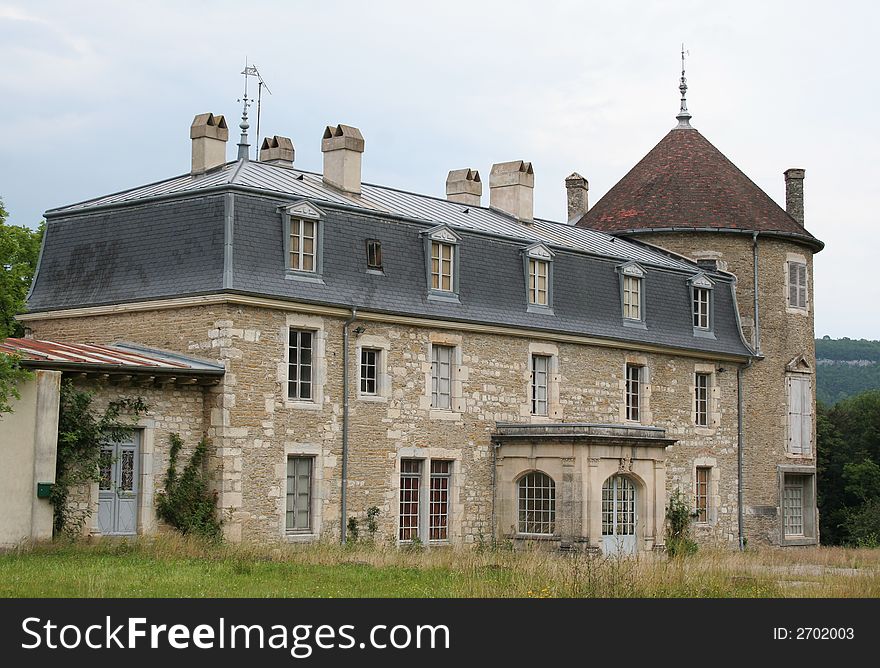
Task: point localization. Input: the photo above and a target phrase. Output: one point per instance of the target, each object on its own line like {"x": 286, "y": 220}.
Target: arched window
{"x": 536, "y": 500}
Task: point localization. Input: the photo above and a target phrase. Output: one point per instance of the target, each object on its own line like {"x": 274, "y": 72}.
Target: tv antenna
{"x": 252, "y": 71}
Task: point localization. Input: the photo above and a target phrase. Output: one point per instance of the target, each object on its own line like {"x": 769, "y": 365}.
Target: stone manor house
{"x": 471, "y": 370}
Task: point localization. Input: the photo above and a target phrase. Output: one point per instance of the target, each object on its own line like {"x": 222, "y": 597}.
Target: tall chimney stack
{"x": 209, "y": 135}
{"x": 511, "y": 188}
{"x": 342, "y": 147}
{"x": 464, "y": 186}
{"x": 277, "y": 151}
{"x": 794, "y": 194}
{"x": 577, "y": 190}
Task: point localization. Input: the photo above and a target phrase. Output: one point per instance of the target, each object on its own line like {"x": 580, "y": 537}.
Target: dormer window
{"x": 632, "y": 289}
{"x": 374, "y": 255}
{"x": 538, "y": 267}
{"x": 303, "y": 235}
{"x": 701, "y": 304}
{"x": 441, "y": 252}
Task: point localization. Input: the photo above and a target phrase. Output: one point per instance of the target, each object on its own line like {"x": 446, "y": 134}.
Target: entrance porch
{"x": 583, "y": 486}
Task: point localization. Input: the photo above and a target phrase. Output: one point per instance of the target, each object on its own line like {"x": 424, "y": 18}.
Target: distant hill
{"x": 846, "y": 367}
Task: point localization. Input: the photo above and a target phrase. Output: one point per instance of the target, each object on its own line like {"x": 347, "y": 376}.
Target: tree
{"x": 19, "y": 251}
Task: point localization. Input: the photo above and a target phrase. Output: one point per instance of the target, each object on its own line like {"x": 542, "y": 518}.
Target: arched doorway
{"x": 619, "y": 518}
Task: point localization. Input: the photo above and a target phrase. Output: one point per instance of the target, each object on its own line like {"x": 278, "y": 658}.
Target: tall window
{"x": 302, "y": 244}
{"x": 410, "y": 482}
{"x": 442, "y": 266}
{"x": 797, "y": 285}
{"x": 632, "y": 298}
{"x": 701, "y": 308}
{"x": 299, "y": 367}
{"x": 793, "y": 505}
{"x": 633, "y": 392}
{"x": 540, "y": 376}
{"x": 536, "y": 501}
{"x": 539, "y": 272}
{"x": 374, "y": 254}
{"x": 419, "y": 521}
{"x": 800, "y": 415}
{"x": 701, "y": 493}
{"x": 701, "y": 399}
{"x": 441, "y": 376}
{"x": 370, "y": 370}
{"x": 438, "y": 516}
{"x": 299, "y": 494}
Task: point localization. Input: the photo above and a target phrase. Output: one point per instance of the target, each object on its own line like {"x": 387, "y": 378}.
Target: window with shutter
{"x": 800, "y": 416}
{"x": 797, "y": 285}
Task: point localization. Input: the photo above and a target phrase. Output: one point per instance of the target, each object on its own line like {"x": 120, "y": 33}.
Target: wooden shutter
{"x": 795, "y": 416}
{"x": 802, "y": 285}
{"x": 806, "y": 416}
{"x": 792, "y": 284}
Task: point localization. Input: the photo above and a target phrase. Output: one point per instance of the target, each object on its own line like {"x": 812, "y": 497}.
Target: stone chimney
{"x": 464, "y": 186}
{"x": 209, "y": 135}
{"x": 342, "y": 147}
{"x": 794, "y": 194}
{"x": 277, "y": 151}
{"x": 511, "y": 188}
{"x": 576, "y": 190}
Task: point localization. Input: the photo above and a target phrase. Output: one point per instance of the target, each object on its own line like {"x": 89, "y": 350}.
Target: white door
{"x": 619, "y": 516}
{"x": 118, "y": 487}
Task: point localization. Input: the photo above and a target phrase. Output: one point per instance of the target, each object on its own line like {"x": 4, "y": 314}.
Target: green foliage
{"x": 11, "y": 374}
{"x": 848, "y": 468}
{"x": 81, "y": 433}
{"x": 187, "y": 502}
{"x": 840, "y": 380}
{"x": 678, "y": 526}
{"x": 19, "y": 251}
{"x": 353, "y": 529}
{"x": 373, "y": 521}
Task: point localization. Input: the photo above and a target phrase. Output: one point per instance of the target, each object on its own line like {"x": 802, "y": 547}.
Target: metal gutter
{"x": 345, "y": 411}
{"x": 806, "y": 239}
{"x": 740, "y": 457}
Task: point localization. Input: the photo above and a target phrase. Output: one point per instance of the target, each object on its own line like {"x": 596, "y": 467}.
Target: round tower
{"x": 687, "y": 197}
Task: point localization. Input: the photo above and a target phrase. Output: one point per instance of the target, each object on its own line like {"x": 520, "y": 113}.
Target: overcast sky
{"x": 99, "y": 96}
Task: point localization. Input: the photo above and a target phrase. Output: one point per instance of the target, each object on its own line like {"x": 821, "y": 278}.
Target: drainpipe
{"x": 755, "y": 290}
{"x": 740, "y": 515}
{"x": 495, "y": 446}
{"x": 344, "y": 495}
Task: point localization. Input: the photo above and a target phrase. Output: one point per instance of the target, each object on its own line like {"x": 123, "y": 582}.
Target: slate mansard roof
{"x": 685, "y": 183}
{"x": 222, "y": 232}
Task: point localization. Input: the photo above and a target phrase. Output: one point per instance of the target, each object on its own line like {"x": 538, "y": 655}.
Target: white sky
{"x": 98, "y": 97}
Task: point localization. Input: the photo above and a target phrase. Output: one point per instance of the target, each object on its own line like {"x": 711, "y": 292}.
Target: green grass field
{"x": 172, "y": 567}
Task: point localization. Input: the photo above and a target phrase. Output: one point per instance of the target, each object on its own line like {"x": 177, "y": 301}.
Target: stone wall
{"x": 253, "y": 427}
{"x": 785, "y": 334}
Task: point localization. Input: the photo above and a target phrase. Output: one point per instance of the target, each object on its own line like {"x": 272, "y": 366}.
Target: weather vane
{"x": 684, "y": 116}
{"x": 252, "y": 71}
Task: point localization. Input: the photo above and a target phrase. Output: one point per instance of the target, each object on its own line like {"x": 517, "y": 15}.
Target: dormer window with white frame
{"x": 442, "y": 266}
{"x": 303, "y": 241}
{"x": 632, "y": 294}
{"x": 702, "y": 305}
{"x": 538, "y": 266}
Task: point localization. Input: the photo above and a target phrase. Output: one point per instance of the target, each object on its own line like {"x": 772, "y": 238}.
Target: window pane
{"x": 441, "y": 376}
{"x": 633, "y": 392}
{"x": 299, "y": 368}
{"x": 410, "y": 479}
{"x": 540, "y": 373}
{"x": 438, "y": 517}
{"x": 701, "y": 494}
{"x": 299, "y": 493}
{"x": 369, "y": 370}
{"x": 793, "y": 505}
{"x": 536, "y": 503}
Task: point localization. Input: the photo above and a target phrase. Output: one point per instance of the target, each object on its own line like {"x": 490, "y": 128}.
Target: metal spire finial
{"x": 684, "y": 116}
{"x": 243, "y": 146}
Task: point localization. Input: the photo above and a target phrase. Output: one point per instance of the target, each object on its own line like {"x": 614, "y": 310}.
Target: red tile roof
{"x": 686, "y": 183}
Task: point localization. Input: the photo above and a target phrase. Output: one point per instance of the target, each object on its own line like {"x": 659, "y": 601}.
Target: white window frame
{"x": 314, "y": 324}
{"x": 439, "y": 353}
{"x": 298, "y": 395}
{"x": 702, "y": 490}
{"x": 425, "y": 482}
{"x": 309, "y": 528}
{"x": 632, "y": 294}
{"x": 702, "y": 292}
{"x": 438, "y": 238}
{"x": 536, "y": 385}
{"x": 633, "y": 389}
{"x": 803, "y": 531}
{"x": 549, "y": 518}
{"x": 376, "y": 365}
{"x": 314, "y": 452}
{"x": 703, "y": 418}
{"x": 296, "y": 215}
{"x": 538, "y": 263}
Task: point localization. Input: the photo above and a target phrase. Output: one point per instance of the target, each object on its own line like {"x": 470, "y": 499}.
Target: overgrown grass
{"x": 171, "y": 566}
